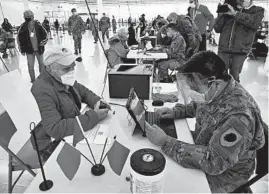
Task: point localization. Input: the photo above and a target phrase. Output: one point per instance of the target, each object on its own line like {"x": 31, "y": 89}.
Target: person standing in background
{"x": 46, "y": 25}
{"x": 32, "y": 38}
{"x": 95, "y": 27}
{"x": 76, "y": 28}
{"x": 114, "y": 24}
{"x": 237, "y": 30}
{"x": 201, "y": 16}
{"x": 3, "y": 42}
{"x": 131, "y": 39}
{"x": 7, "y": 26}
{"x": 143, "y": 21}
{"x": 104, "y": 25}
{"x": 88, "y": 23}
{"x": 56, "y": 25}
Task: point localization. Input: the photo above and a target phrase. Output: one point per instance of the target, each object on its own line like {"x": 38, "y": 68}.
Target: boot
{"x": 76, "y": 52}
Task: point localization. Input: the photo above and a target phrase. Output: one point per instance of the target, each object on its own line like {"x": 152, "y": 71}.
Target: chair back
{"x": 262, "y": 157}
{"x": 11, "y": 43}
{"x": 7, "y": 129}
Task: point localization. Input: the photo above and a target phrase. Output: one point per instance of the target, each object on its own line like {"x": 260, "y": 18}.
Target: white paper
{"x": 21, "y": 106}
{"x": 148, "y": 45}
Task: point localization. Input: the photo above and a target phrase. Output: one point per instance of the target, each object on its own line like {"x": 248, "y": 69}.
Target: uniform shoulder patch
{"x": 244, "y": 120}
{"x": 230, "y": 138}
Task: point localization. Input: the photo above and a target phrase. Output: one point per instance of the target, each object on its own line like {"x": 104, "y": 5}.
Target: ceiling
{"x": 131, "y": 2}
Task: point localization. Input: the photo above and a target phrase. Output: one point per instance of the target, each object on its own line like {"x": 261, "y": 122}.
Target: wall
{"x": 13, "y": 10}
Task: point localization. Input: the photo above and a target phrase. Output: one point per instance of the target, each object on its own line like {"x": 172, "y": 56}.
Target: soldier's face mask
{"x": 197, "y": 88}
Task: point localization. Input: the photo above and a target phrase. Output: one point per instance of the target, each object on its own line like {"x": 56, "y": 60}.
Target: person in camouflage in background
{"x": 228, "y": 132}
{"x": 114, "y": 24}
{"x": 104, "y": 26}
{"x": 189, "y": 30}
{"x": 175, "y": 52}
{"x": 94, "y": 27}
{"x": 76, "y": 27}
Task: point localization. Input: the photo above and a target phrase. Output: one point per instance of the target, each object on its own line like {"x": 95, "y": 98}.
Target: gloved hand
{"x": 155, "y": 134}
{"x": 165, "y": 113}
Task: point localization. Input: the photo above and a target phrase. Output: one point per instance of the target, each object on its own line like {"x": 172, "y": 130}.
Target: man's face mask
{"x": 244, "y": 4}
{"x": 64, "y": 74}
{"x": 28, "y": 19}
{"x": 194, "y": 87}
{"x": 69, "y": 78}
{"x": 192, "y": 4}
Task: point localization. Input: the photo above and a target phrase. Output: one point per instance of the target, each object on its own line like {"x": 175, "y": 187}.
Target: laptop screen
{"x": 137, "y": 109}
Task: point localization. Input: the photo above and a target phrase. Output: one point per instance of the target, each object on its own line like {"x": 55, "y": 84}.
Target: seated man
{"x": 175, "y": 52}
{"x": 118, "y": 49}
{"x": 3, "y": 42}
{"x": 59, "y": 99}
{"x": 229, "y": 128}
{"x": 162, "y": 38}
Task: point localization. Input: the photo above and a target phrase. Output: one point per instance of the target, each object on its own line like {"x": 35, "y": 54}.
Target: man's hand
{"x": 165, "y": 113}
{"x": 155, "y": 135}
{"x": 101, "y": 113}
{"x": 69, "y": 33}
{"x": 23, "y": 54}
{"x": 231, "y": 11}
{"x": 102, "y": 103}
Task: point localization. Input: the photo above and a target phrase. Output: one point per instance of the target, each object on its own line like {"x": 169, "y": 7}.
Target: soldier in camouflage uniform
{"x": 228, "y": 132}
{"x": 189, "y": 31}
{"x": 114, "y": 24}
{"x": 94, "y": 26}
{"x": 77, "y": 28}
{"x": 175, "y": 52}
{"x": 104, "y": 26}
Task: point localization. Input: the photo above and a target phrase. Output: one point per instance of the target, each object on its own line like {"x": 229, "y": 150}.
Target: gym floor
{"x": 91, "y": 72}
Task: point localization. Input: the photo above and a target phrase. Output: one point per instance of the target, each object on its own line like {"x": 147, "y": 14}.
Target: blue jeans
{"x": 31, "y": 64}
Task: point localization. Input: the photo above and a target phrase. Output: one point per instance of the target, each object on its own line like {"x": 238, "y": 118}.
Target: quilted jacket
{"x": 58, "y": 108}
{"x": 237, "y": 32}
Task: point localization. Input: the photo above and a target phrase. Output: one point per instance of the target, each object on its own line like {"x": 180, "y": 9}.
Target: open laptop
{"x": 140, "y": 115}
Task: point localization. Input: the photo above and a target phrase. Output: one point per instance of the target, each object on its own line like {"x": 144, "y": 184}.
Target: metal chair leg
{"x": 10, "y": 175}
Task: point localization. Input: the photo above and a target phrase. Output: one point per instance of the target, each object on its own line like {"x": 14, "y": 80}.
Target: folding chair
{"x": 25, "y": 159}
{"x": 4, "y": 63}
{"x": 261, "y": 166}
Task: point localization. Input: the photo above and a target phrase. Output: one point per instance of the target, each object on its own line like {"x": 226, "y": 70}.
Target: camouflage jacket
{"x": 177, "y": 49}
{"x": 96, "y": 23}
{"x": 228, "y": 132}
{"x": 104, "y": 23}
{"x": 190, "y": 32}
{"x": 76, "y": 25}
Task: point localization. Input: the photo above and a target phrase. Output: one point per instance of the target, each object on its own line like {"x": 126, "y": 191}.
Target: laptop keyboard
{"x": 168, "y": 126}
{"x": 152, "y": 118}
